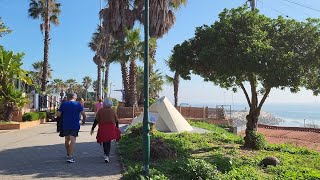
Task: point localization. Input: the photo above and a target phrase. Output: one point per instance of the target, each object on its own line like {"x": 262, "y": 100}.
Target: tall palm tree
{"x": 118, "y": 54}
{"x": 78, "y": 89}
{"x": 87, "y": 81}
{"x": 121, "y": 15}
{"x": 58, "y": 85}
{"x": 70, "y": 83}
{"x": 3, "y": 29}
{"x": 156, "y": 84}
{"x": 48, "y": 11}
{"x": 100, "y": 44}
{"x": 175, "y": 80}
{"x": 134, "y": 49}
{"x": 36, "y": 73}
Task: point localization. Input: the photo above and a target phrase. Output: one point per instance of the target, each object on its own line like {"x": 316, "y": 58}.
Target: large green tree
{"x": 10, "y": 70}
{"x": 48, "y": 11}
{"x": 250, "y": 51}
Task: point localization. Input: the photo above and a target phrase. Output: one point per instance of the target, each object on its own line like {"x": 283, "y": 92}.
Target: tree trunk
{"x": 46, "y": 49}
{"x": 125, "y": 82}
{"x": 8, "y": 111}
{"x": 99, "y": 81}
{"x": 176, "y": 88}
{"x": 132, "y": 84}
{"x": 252, "y": 125}
{"x": 106, "y": 76}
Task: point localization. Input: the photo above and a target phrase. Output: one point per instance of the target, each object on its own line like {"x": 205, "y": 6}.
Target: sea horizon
{"x": 294, "y": 115}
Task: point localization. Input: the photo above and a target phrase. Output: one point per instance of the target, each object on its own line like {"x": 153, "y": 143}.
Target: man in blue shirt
{"x": 70, "y": 112}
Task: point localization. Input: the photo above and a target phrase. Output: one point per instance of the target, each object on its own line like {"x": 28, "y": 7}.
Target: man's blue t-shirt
{"x": 71, "y": 115}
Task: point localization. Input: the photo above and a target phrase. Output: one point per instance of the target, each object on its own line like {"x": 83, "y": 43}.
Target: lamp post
{"x": 102, "y": 81}
{"x": 146, "y": 127}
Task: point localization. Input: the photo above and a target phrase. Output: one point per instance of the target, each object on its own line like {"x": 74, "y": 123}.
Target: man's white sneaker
{"x": 70, "y": 160}
{"x": 106, "y": 159}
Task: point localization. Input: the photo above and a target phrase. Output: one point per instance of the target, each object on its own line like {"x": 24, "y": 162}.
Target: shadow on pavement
{"x": 50, "y": 161}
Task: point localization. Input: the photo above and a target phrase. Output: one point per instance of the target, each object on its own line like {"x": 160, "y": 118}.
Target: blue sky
{"x": 70, "y": 56}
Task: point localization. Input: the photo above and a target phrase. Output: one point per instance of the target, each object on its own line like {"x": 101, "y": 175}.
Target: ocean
{"x": 297, "y": 115}
{"x": 293, "y": 115}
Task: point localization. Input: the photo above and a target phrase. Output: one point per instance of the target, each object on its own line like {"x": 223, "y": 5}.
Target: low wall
{"x": 289, "y": 128}
{"x": 21, "y": 125}
{"x": 128, "y": 112}
{"x": 17, "y": 115}
{"x": 186, "y": 112}
{"x": 193, "y": 112}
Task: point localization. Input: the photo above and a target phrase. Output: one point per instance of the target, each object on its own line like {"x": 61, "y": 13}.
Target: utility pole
{"x": 146, "y": 126}
{"x": 252, "y": 4}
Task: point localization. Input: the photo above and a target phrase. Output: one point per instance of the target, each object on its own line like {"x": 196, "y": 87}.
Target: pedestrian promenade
{"x": 39, "y": 153}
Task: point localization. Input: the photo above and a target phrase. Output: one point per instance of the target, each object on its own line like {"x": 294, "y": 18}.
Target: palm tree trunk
{"x": 132, "y": 84}
{"x": 125, "y": 81}
{"x": 46, "y": 49}
{"x": 106, "y": 76}
{"x": 176, "y": 88}
{"x": 98, "y": 82}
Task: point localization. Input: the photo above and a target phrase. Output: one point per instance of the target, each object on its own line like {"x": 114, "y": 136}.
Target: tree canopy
{"x": 244, "y": 46}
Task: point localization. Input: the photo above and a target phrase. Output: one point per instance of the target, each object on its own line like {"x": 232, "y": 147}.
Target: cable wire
{"x": 302, "y": 5}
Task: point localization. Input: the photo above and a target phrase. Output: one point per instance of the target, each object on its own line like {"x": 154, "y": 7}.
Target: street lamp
{"x": 102, "y": 82}
{"x": 146, "y": 127}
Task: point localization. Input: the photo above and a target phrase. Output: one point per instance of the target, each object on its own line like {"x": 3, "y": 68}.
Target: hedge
{"x": 32, "y": 116}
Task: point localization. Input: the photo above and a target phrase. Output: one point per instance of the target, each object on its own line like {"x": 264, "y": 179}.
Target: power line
{"x": 302, "y": 5}
{"x": 293, "y": 7}
{"x": 276, "y": 10}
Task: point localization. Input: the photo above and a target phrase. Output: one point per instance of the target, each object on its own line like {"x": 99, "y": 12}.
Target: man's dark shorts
{"x": 73, "y": 133}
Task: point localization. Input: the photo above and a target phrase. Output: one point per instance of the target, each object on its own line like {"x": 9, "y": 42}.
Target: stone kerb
{"x": 20, "y": 125}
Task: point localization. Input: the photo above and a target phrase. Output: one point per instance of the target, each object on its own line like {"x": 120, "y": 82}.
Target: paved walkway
{"x": 39, "y": 153}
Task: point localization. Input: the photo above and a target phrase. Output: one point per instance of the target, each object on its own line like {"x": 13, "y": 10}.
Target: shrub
{"x": 88, "y": 104}
{"x": 42, "y": 115}
{"x": 258, "y": 139}
{"x": 137, "y": 130}
{"x": 196, "y": 169}
{"x": 223, "y": 163}
{"x": 136, "y": 173}
{"x": 31, "y": 116}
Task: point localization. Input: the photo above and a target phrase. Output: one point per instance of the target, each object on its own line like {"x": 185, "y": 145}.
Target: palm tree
{"x": 134, "y": 51}
{"x": 175, "y": 80}
{"x": 58, "y": 85}
{"x": 36, "y": 73}
{"x": 100, "y": 44}
{"x": 86, "y": 84}
{"x": 3, "y": 29}
{"x": 120, "y": 15}
{"x": 48, "y": 11}
{"x": 118, "y": 54}
{"x": 70, "y": 83}
{"x": 156, "y": 83}
{"x": 78, "y": 89}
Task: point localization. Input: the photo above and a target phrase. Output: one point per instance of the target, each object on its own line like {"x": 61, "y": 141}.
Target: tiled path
{"x": 39, "y": 153}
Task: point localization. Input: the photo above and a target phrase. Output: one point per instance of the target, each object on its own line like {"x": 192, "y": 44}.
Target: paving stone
{"x": 39, "y": 153}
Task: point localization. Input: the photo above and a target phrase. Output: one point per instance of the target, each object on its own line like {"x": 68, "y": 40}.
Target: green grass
{"x": 218, "y": 155}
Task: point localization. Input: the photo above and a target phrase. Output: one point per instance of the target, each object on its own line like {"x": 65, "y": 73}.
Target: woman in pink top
{"x": 98, "y": 106}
